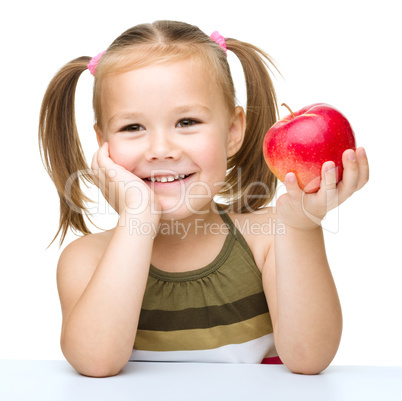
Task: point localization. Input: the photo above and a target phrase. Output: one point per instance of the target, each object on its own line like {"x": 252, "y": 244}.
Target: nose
{"x": 161, "y": 146}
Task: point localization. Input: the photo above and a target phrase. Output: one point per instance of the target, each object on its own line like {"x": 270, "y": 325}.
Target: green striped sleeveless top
{"x": 217, "y": 313}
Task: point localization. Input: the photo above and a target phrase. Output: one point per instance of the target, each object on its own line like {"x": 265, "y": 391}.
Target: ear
{"x": 99, "y": 136}
{"x": 236, "y": 131}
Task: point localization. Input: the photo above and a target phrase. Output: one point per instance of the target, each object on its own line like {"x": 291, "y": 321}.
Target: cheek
{"x": 123, "y": 154}
{"x": 212, "y": 154}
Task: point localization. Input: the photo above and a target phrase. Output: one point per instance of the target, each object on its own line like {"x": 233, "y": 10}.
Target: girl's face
{"x": 167, "y": 121}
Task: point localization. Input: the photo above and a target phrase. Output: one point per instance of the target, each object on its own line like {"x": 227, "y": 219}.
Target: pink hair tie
{"x": 220, "y": 40}
{"x": 94, "y": 63}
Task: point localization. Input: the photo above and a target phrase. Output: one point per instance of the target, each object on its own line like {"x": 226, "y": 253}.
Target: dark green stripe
{"x": 206, "y": 317}
{"x": 200, "y": 339}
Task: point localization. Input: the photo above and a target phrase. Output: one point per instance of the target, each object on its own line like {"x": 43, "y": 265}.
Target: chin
{"x": 185, "y": 209}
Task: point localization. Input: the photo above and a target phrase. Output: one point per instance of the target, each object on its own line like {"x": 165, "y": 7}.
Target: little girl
{"x": 182, "y": 277}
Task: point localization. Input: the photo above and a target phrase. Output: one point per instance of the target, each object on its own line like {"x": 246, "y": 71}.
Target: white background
{"x": 346, "y": 53}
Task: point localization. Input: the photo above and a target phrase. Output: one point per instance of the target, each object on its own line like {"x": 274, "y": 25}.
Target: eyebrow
{"x": 186, "y": 108}
{"x": 124, "y": 116}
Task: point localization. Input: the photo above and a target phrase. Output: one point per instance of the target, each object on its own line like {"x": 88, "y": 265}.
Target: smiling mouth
{"x": 168, "y": 178}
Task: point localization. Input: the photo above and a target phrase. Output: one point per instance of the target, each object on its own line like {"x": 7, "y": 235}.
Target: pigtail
{"x": 60, "y": 147}
{"x": 248, "y": 167}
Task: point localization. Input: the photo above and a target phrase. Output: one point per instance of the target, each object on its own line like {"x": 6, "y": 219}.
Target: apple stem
{"x": 284, "y": 104}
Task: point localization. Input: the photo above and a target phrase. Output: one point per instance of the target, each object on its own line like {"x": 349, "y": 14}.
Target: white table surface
{"x": 57, "y": 380}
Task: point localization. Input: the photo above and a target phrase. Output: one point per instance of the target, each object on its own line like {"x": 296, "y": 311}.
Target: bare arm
{"x": 101, "y": 286}
{"x": 301, "y": 293}
{"x": 101, "y": 312}
{"x": 303, "y": 300}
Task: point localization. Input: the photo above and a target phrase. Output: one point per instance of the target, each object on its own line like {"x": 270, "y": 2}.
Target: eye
{"x": 186, "y": 123}
{"x": 132, "y": 128}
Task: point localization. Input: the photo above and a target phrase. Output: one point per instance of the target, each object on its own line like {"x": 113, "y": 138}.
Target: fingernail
{"x": 291, "y": 178}
{"x": 352, "y": 156}
{"x": 362, "y": 152}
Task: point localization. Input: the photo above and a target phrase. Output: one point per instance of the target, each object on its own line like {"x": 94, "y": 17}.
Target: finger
{"x": 99, "y": 156}
{"x": 348, "y": 185}
{"x": 292, "y": 187}
{"x": 106, "y": 167}
{"x": 106, "y": 163}
{"x": 364, "y": 171}
{"x": 103, "y": 155}
{"x": 99, "y": 159}
{"x": 94, "y": 173}
{"x": 329, "y": 173}
{"x": 94, "y": 163}
{"x": 327, "y": 196}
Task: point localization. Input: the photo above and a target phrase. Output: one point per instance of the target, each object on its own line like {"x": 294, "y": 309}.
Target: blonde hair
{"x": 138, "y": 47}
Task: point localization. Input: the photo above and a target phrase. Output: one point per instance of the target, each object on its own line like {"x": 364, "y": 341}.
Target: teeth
{"x": 169, "y": 178}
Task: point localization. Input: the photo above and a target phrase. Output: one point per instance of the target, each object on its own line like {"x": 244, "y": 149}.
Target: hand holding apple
{"x": 314, "y": 151}
{"x": 302, "y": 141}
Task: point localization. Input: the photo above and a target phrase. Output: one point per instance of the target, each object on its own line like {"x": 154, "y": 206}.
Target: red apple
{"x": 302, "y": 141}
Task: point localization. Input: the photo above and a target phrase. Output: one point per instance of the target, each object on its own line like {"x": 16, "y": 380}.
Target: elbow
{"x": 308, "y": 362}
{"x": 93, "y": 366}
{"x": 309, "y": 357}
{"x": 97, "y": 370}
{"x": 96, "y": 367}
{"x": 307, "y": 368}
